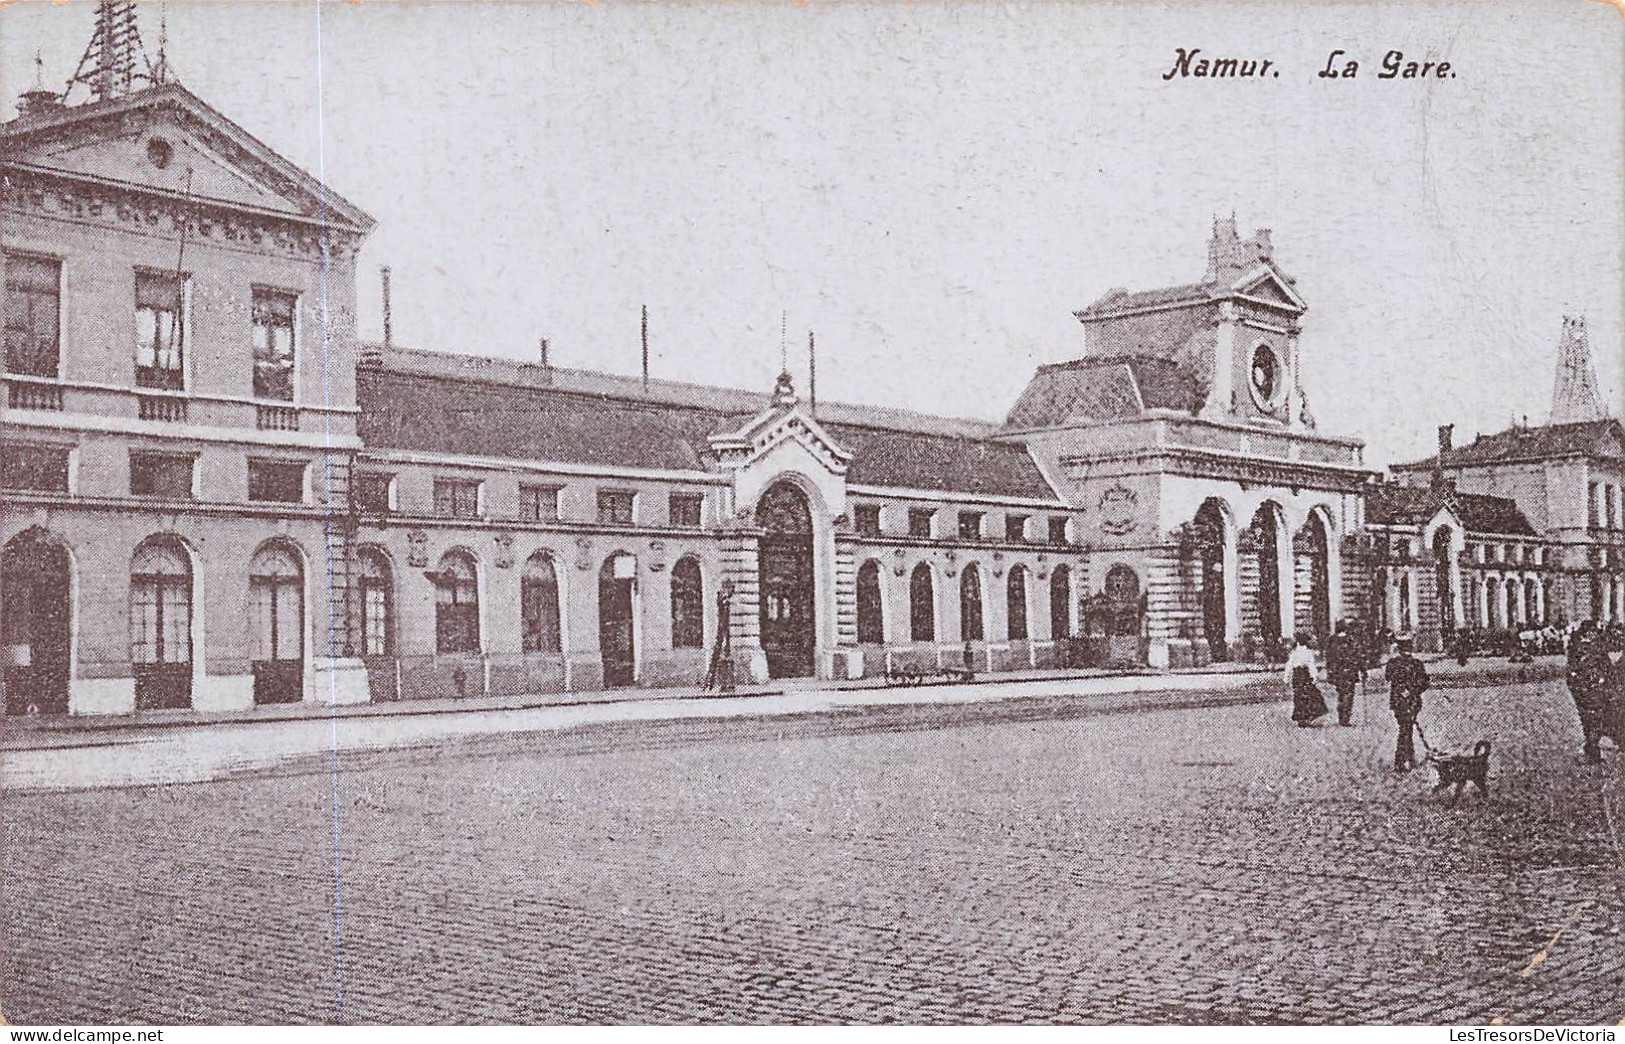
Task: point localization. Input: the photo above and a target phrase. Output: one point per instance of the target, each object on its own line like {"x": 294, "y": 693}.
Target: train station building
{"x": 217, "y": 496}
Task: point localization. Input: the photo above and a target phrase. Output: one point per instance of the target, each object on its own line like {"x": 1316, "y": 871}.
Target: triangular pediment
{"x": 166, "y": 139}
{"x": 1267, "y": 285}
{"x": 773, "y": 427}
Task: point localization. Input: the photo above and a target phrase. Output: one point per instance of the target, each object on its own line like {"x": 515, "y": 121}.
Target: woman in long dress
{"x": 1308, "y": 705}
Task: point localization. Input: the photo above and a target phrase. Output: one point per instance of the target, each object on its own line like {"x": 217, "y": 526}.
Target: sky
{"x": 934, "y": 188}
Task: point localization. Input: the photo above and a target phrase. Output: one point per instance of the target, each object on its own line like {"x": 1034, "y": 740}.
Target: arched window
{"x": 1016, "y": 603}
{"x": 871, "y": 612}
{"x": 970, "y": 604}
{"x": 277, "y": 591}
{"x": 161, "y": 625}
{"x": 456, "y": 605}
{"x": 539, "y": 605}
{"x": 687, "y": 605}
{"x": 922, "y": 605}
{"x": 377, "y": 603}
{"x": 1060, "y": 602}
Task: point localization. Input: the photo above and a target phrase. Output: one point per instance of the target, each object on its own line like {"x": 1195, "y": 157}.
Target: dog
{"x": 1458, "y": 770}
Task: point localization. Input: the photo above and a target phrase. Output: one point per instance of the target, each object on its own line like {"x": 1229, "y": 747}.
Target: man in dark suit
{"x": 1407, "y": 681}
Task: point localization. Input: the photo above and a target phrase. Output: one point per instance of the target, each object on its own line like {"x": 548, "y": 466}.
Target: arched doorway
{"x": 1015, "y": 607}
{"x": 1060, "y": 602}
{"x": 377, "y": 622}
{"x": 785, "y": 568}
{"x": 35, "y": 623}
{"x": 1312, "y": 554}
{"x": 1210, "y": 527}
{"x": 970, "y": 604}
{"x": 922, "y": 608}
{"x": 1264, "y": 539}
{"x": 161, "y": 625}
{"x": 871, "y": 607}
{"x": 276, "y": 584}
{"x": 617, "y": 638}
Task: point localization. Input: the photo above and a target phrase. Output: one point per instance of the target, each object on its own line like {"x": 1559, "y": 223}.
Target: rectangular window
{"x": 32, "y": 309}
{"x": 161, "y": 475}
{"x": 1593, "y": 509}
{"x": 457, "y": 498}
{"x": 539, "y": 503}
{"x": 42, "y": 468}
{"x": 1057, "y": 531}
{"x": 970, "y": 525}
{"x": 919, "y": 521}
{"x": 273, "y": 344}
{"x": 686, "y": 509}
{"x": 615, "y": 506}
{"x": 159, "y": 331}
{"x": 281, "y": 481}
{"x": 372, "y": 493}
{"x": 867, "y": 517}
{"x": 1015, "y": 527}
{"x": 375, "y": 617}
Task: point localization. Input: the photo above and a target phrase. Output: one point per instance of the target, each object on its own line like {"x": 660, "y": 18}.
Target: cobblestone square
{"x": 1019, "y": 860}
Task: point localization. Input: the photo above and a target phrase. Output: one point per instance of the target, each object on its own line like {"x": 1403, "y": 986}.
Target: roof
{"x": 913, "y": 460}
{"x": 1118, "y": 299}
{"x": 463, "y": 405}
{"x": 1106, "y": 388}
{"x": 1597, "y": 438}
{"x": 1392, "y": 504}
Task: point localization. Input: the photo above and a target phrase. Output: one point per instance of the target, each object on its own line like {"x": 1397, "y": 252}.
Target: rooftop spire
{"x": 1574, "y": 395}
{"x": 115, "y": 61}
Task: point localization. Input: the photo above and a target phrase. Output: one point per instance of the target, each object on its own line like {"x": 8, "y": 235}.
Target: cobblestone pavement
{"x": 1018, "y": 860}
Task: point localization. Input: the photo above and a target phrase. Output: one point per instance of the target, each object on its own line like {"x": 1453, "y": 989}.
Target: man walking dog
{"x": 1407, "y": 681}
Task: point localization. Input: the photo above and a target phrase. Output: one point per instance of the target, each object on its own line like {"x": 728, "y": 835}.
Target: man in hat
{"x": 1343, "y": 670}
{"x": 1589, "y": 673}
{"x": 1407, "y": 681}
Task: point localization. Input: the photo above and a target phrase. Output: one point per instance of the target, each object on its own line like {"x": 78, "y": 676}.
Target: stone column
{"x": 739, "y": 565}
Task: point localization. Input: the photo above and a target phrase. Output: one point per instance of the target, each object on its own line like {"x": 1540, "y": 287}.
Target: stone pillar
{"x": 739, "y": 566}
{"x": 1162, "y": 598}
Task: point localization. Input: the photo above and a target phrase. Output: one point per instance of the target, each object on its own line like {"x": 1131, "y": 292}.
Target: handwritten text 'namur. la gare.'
{"x": 1193, "y": 63}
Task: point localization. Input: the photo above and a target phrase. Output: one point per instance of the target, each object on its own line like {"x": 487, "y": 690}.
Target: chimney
{"x": 812, "y": 375}
{"x": 1261, "y": 239}
{"x": 1445, "y": 439}
{"x": 389, "y": 328}
{"x": 645, "y": 347}
{"x": 545, "y": 364}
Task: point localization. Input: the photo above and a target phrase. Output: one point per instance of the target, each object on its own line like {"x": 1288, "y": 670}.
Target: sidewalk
{"x": 143, "y": 752}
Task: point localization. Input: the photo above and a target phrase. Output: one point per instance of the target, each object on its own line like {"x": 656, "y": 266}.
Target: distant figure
{"x": 1460, "y": 640}
{"x": 1308, "y": 705}
{"x": 1343, "y": 670}
{"x": 1407, "y": 681}
{"x": 1590, "y": 671}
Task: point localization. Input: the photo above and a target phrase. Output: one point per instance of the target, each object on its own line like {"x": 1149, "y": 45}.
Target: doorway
{"x": 35, "y": 618}
{"x": 785, "y": 566}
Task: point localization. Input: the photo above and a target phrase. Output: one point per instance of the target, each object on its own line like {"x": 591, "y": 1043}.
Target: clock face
{"x": 1266, "y": 377}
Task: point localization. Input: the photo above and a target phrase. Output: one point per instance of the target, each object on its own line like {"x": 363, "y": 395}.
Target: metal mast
{"x": 115, "y": 61}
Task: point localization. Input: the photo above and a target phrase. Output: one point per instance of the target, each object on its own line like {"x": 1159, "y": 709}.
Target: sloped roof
{"x": 418, "y": 402}
{"x": 1598, "y": 438}
{"x": 1117, "y": 299}
{"x": 1105, "y": 388}
{"x": 1392, "y": 504}
{"x": 913, "y": 460}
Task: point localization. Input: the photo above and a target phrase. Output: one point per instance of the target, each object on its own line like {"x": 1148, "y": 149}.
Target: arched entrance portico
{"x": 787, "y": 603}
{"x": 1263, "y": 544}
{"x": 36, "y": 623}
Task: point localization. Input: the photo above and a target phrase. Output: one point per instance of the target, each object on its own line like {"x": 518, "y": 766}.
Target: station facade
{"x": 217, "y": 496}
